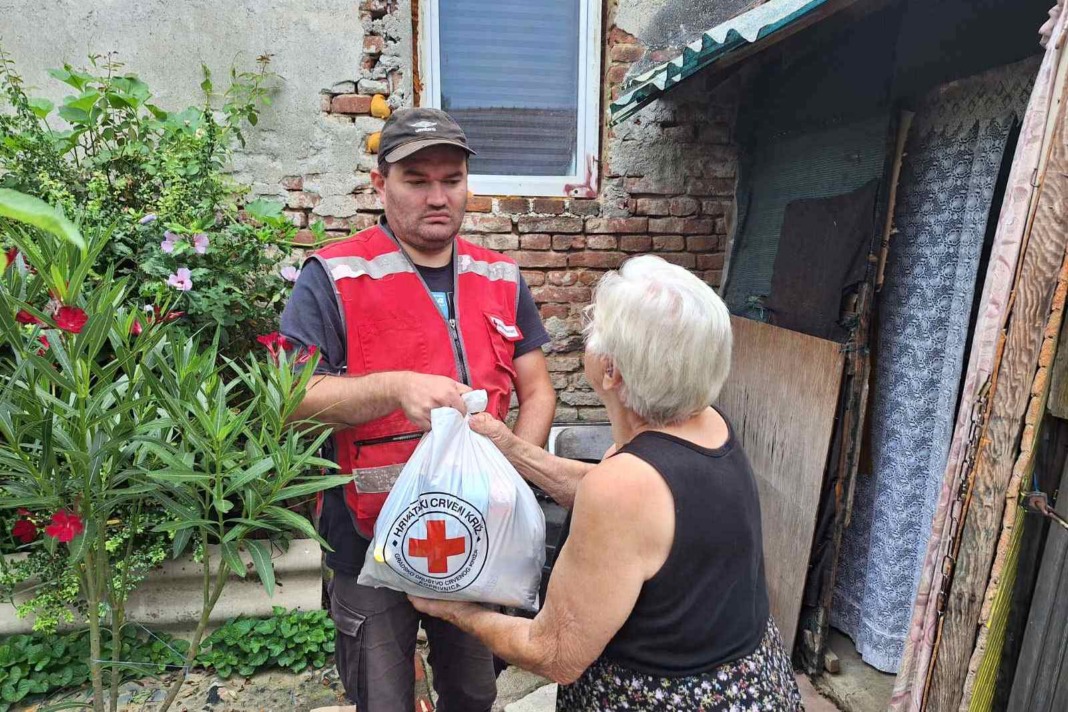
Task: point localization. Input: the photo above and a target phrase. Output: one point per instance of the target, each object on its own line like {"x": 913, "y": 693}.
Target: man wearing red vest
{"x": 408, "y": 316}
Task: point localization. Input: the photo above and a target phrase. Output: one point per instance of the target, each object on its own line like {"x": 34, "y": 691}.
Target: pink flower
{"x": 170, "y": 240}
{"x": 24, "y": 317}
{"x": 181, "y": 280}
{"x": 289, "y": 273}
{"x": 24, "y": 530}
{"x": 200, "y": 243}
{"x": 71, "y": 319}
{"x": 65, "y": 526}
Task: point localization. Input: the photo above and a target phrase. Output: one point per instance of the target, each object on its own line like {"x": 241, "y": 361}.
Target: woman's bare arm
{"x": 621, "y": 533}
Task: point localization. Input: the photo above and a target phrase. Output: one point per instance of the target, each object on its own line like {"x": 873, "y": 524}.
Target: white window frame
{"x": 584, "y": 183}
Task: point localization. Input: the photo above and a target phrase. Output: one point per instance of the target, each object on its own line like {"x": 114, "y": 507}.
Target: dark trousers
{"x": 376, "y": 633}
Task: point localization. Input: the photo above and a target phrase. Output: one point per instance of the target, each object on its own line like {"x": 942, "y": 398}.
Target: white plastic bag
{"x": 460, "y": 523}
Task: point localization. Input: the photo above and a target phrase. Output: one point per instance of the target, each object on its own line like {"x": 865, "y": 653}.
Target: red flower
{"x": 71, "y": 319}
{"x": 24, "y": 317}
{"x": 306, "y": 355}
{"x": 157, "y": 317}
{"x": 10, "y": 256}
{"x": 23, "y": 512}
{"x": 24, "y": 531}
{"x": 169, "y": 316}
{"x": 44, "y": 345}
{"x": 65, "y": 526}
{"x": 275, "y": 343}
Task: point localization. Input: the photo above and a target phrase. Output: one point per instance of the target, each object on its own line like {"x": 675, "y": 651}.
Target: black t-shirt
{"x": 311, "y": 317}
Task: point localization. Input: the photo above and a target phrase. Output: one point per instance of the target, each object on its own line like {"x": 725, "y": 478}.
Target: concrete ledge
{"x": 170, "y": 597}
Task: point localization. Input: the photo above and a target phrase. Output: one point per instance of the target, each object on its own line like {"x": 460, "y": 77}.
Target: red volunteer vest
{"x": 393, "y": 324}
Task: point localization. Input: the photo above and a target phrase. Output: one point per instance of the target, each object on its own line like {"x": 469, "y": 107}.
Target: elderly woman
{"x": 657, "y": 600}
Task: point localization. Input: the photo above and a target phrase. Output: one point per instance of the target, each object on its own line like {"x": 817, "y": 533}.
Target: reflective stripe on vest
{"x": 376, "y": 479}
{"x": 493, "y": 271}
{"x": 377, "y": 268}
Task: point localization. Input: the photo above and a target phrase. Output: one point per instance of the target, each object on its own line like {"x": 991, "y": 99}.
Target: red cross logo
{"x": 436, "y": 548}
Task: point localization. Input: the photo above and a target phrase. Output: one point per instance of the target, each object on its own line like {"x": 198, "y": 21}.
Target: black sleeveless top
{"x": 708, "y": 604}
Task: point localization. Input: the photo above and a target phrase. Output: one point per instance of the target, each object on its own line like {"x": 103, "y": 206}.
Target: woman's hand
{"x": 451, "y": 611}
{"x": 498, "y": 433}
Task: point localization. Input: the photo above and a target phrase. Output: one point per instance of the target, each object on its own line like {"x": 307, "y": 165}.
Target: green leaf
{"x": 233, "y": 558}
{"x": 261, "y": 558}
{"x": 40, "y": 107}
{"x": 85, "y": 102}
{"x": 292, "y": 520}
{"x": 74, "y": 116}
{"x": 262, "y": 209}
{"x": 33, "y": 211}
{"x": 181, "y": 540}
{"x": 316, "y": 484}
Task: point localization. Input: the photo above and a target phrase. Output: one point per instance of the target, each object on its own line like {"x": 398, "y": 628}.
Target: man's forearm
{"x": 342, "y": 401}
{"x": 536, "y": 418}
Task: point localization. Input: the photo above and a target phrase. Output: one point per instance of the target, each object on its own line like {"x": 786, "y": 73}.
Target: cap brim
{"x": 403, "y": 151}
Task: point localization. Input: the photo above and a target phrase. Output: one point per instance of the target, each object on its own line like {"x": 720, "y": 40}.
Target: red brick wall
{"x": 667, "y": 188}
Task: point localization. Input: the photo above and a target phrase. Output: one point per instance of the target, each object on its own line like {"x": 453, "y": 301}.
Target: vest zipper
{"x": 459, "y": 349}
{"x": 455, "y": 342}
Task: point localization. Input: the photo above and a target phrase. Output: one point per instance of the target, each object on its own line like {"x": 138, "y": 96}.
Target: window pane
{"x": 509, "y": 76}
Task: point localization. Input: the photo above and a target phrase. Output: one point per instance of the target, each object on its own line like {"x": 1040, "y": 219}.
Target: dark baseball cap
{"x": 410, "y": 130}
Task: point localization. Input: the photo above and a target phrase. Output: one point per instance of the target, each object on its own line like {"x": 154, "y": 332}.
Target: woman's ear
{"x": 610, "y": 378}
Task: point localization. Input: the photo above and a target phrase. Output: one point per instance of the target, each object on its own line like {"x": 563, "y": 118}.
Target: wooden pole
{"x": 895, "y": 175}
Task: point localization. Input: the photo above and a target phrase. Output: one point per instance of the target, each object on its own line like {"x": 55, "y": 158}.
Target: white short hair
{"x": 667, "y": 332}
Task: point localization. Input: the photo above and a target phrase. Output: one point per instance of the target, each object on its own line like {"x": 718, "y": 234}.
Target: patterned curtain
{"x": 952, "y": 162}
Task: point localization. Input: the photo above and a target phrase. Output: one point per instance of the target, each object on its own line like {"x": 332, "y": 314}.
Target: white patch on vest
{"x": 508, "y": 331}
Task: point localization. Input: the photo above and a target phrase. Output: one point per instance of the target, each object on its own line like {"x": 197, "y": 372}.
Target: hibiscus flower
{"x": 289, "y": 273}
{"x": 65, "y": 526}
{"x": 181, "y": 280}
{"x": 200, "y": 243}
{"x": 169, "y": 242}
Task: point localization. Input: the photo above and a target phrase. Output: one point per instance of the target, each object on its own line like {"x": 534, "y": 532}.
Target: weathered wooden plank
{"x": 1058, "y": 390}
{"x": 781, "y": 399}
{"x": 996, "y": 600}
{"x": 1033, "y": 296}
{"x": 1046, "y": 639}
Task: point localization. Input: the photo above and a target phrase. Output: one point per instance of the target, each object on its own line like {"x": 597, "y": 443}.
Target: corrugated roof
{"x": 745, "y": 29}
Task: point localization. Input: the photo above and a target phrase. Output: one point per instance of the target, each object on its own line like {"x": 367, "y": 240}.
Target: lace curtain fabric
{"x": 952, "y": 162}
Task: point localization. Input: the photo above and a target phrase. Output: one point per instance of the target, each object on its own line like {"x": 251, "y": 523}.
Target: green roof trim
{"x": 745, "y": 29}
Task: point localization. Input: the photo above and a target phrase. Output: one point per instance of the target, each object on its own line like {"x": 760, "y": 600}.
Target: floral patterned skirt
{"x": 763, "y": 680}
